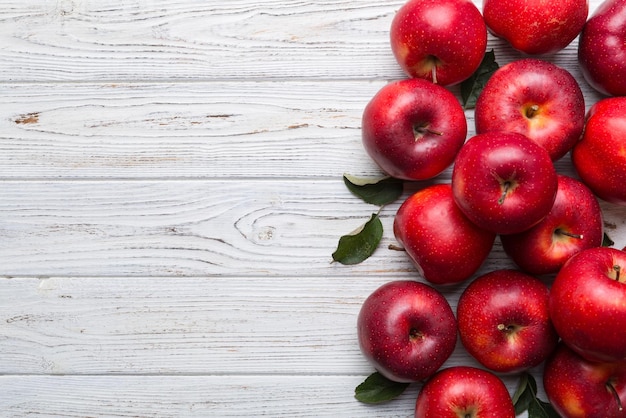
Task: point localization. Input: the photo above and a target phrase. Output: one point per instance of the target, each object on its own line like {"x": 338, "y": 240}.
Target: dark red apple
{"x": 536, "y": 27}
{"x": 504, "y": 182}
{"x": 535, "y": 98}
{"x": 602, "y": 50}
{"x": 413, "y": 129}
{"x": 578, "y": 388}
{"x": 406, "y": 330}
{"x": 600, "y": 156}
{"x": 464, "y": 392}
{"x": 443, "y": 41}
{"x": 434, "y": 231}
{"x": 588, "y": 304}
{"x": 504, "y": 321}
{"x": 574, "y": 223}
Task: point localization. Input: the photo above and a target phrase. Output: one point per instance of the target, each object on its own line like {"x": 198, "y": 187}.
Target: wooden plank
{"x": 193, "y": 396}
{"x": 182, "y": 39}
{"x": 297, "y": 326}
{"x": 197, "y": 228}
{"x": 297, "y": 129}
{"x": 178, "y": 228}
{"x": 183, "y": 130}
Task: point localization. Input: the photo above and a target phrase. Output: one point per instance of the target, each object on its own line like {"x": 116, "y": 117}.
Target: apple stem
{"x": 395, "y": 247}
{"x": 617, "y": 270}
{"x": 420, "y": 130}
{"x": 568, "y": 234}
{"x": 505, "y": 191}
{"x": 532, "y": 111}
{"x": 434, "y": 73}
{"x": 611, "y": 388}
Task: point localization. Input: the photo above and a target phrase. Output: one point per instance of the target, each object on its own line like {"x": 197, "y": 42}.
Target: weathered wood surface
{"x": 171, "y": 195}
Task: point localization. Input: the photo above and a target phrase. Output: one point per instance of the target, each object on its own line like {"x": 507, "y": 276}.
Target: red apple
{"x": 536, "y": 27}
{"x": 588, "y": 304}
{"x": 504, "y": 182}
{"x": 578, "y": 388}
{"x": 462, "y": 392}
{"x": 504, "y": 321}
{"x": 574, "y": 223}
{"x": 535, "y": 98}
{"x": 413, "y": 129}
{"x": 406, "y": 330}
{"x": 602, "y": 50}
{"x": 443, "y": 41}
{"x": 434, "y": 231}
{"x": 600, "y": 156}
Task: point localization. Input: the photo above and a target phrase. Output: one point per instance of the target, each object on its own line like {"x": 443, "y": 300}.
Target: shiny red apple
{"x": 536, "y": 98}
{"x": 413, "y": 129}
{"x": 536, "y": 27}
{"x": 602, "y": 50}
{"x": 588, "y": 304}
{"x": 578, "y": 388}
{"x": 406, "y": 330}
{"x": 443, "y": 41}
{"x": 574, "y": 223}
{"x": 462, "y": 392}
{"x": 600, "y": 156}
{"x": 433, "y": 231}
{"x": 504, "y": 182}
{"x": 504, "y": 321}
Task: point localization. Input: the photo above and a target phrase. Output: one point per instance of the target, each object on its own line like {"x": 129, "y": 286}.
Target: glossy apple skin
{"x": 574, "y": 223}
{"x": 602, "y": 50}
{"x": 450, "y": 35}
{"x": 504, "y": 321}
{"x": 504, "y": 182}
{"x": 535, "y": 98}
{"x": 588, "y": 304}
{"x": 600, "y": 156}
{"x": 577, "y": 388}
{"x": 413, "y": 129}
{"x": 462, "y": 391}
{"x": 406, "y": 330}
{"x": 536, "y": 27}
{"x": 433, "y": 231}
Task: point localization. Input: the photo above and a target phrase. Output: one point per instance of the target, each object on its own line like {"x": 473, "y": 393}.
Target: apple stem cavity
{"x": 611, "y": 388}
{"x": 420, "y": 130}
{"x": 559, "y": 231}
{"x": 415, "y": 334}
{"x": 507, "y": 328}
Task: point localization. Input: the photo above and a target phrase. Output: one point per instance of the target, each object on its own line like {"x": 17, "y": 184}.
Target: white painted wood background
{"x": 171, "y": 195}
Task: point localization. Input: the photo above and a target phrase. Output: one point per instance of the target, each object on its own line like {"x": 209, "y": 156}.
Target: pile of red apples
{"x": 564, "y": 307}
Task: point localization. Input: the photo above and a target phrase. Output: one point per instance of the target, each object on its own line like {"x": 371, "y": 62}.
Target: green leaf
{"x": 607, "y": 241}
{"x": 377, "y": 388}
{"x": 525, "y": 399}
{"x": 376, "y": 191}
{"x": 473, "y": 86}
{"x": 360, "y": 244}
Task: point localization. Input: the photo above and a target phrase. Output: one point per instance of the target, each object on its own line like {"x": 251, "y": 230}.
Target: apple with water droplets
{"x": 536, "y": 27}
{"x": 406, "y": 330}
{"x": 504, "y": 321}
{"x": 443, "y": 41}
{"x": 588, "y": 304}
{"x": 504, "y": 182}
{"x": 537, "y": 99}
{"x": 413, "y": 129}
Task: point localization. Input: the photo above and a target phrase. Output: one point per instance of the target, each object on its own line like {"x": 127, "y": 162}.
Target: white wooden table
{"x": 171, "y": 195}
